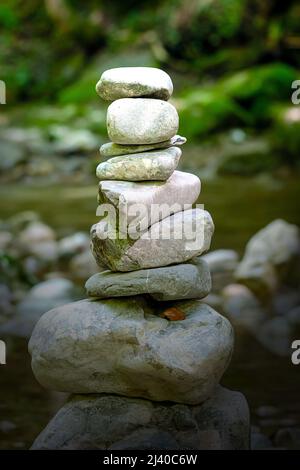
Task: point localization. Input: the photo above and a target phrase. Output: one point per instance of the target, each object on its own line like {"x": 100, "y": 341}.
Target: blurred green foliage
{"x": 286, "y": 135}
{"x": 249, "y": 164}
{"x": 244, "y": 98}
{"x": 48, "y": 45}
{"x": 232, "y": 61}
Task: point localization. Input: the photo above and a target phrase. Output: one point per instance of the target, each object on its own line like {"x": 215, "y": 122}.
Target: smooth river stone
{"x": 114, "y": 150}
{"x": 141, "y": 121}
{"x": 123, "y": 346}
{"x": 175, "y": 239}
{"x": 179, "y": 192}
{"x": 182, "y": 281}
{"x": 157, "y": 165}
{"x": 132, "y": 82}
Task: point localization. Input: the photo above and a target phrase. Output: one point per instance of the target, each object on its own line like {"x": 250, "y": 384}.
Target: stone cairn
{"x": 143, "y": 356}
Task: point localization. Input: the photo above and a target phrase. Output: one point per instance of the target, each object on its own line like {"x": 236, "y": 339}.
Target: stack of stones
{"x": 144, "y": 354}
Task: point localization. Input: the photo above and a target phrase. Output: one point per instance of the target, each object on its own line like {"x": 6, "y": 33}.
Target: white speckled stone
{"x": 131, "y": 82}
{"x": 156, "y": 165}
{"x": 141, "y": 121}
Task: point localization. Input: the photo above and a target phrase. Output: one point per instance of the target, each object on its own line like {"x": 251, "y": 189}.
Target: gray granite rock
{"x": 243, "y": 308}
{"x": 39, "y": 240}
{"x": 175, "y": 239}
{"x": 42, "y": 297}
{"x": 73, "y": 244}
{"x": 83, "y": 265}
{"x": 221, "y": 260}
{"x": 222, "y": 264}
{"x": 114, "y": 150}
{"x": 123, "y": 346}
{"x": 141, "y": 204}
{"x": 132, "y": 82}
{"x": 276, "y": 335}
{"x": 268, "y": 257}
{"x": 181, "y": 281}
{"x": 157, "y": 165}
{"x": 141, "y": 121}
{"x": 118, "y": 423}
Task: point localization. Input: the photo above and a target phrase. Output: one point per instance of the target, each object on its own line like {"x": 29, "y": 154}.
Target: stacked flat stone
{"x": 144, "y": 334}
{"x": 144, "y": 147}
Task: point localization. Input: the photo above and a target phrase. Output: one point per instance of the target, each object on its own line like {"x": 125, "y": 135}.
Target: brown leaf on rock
{"x": 173, "y": 314}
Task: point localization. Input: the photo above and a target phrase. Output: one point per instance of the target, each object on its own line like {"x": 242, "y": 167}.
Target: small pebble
{"x": 173, "y": 314}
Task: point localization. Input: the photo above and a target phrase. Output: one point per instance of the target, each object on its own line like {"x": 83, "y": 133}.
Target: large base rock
{"x": 118, "y": 423}
{"x": 123, "y": 346}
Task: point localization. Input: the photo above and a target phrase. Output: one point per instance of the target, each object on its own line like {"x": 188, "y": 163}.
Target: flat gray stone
{"x": 141, "y": 121}
{"x": 156, "y": 199}
{"x": 131, "y": 82}
{"x": 123, "y": 346}
{"x": 157, "y": 165}
{"x": 182, "y": 281}
{"x": 173, "y": 240}
{"x": 118, "y": 423}
{"x": 114, "y": 150}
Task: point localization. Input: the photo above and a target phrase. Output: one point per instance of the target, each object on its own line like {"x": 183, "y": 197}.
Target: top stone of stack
{"x": 134, "y": 82}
